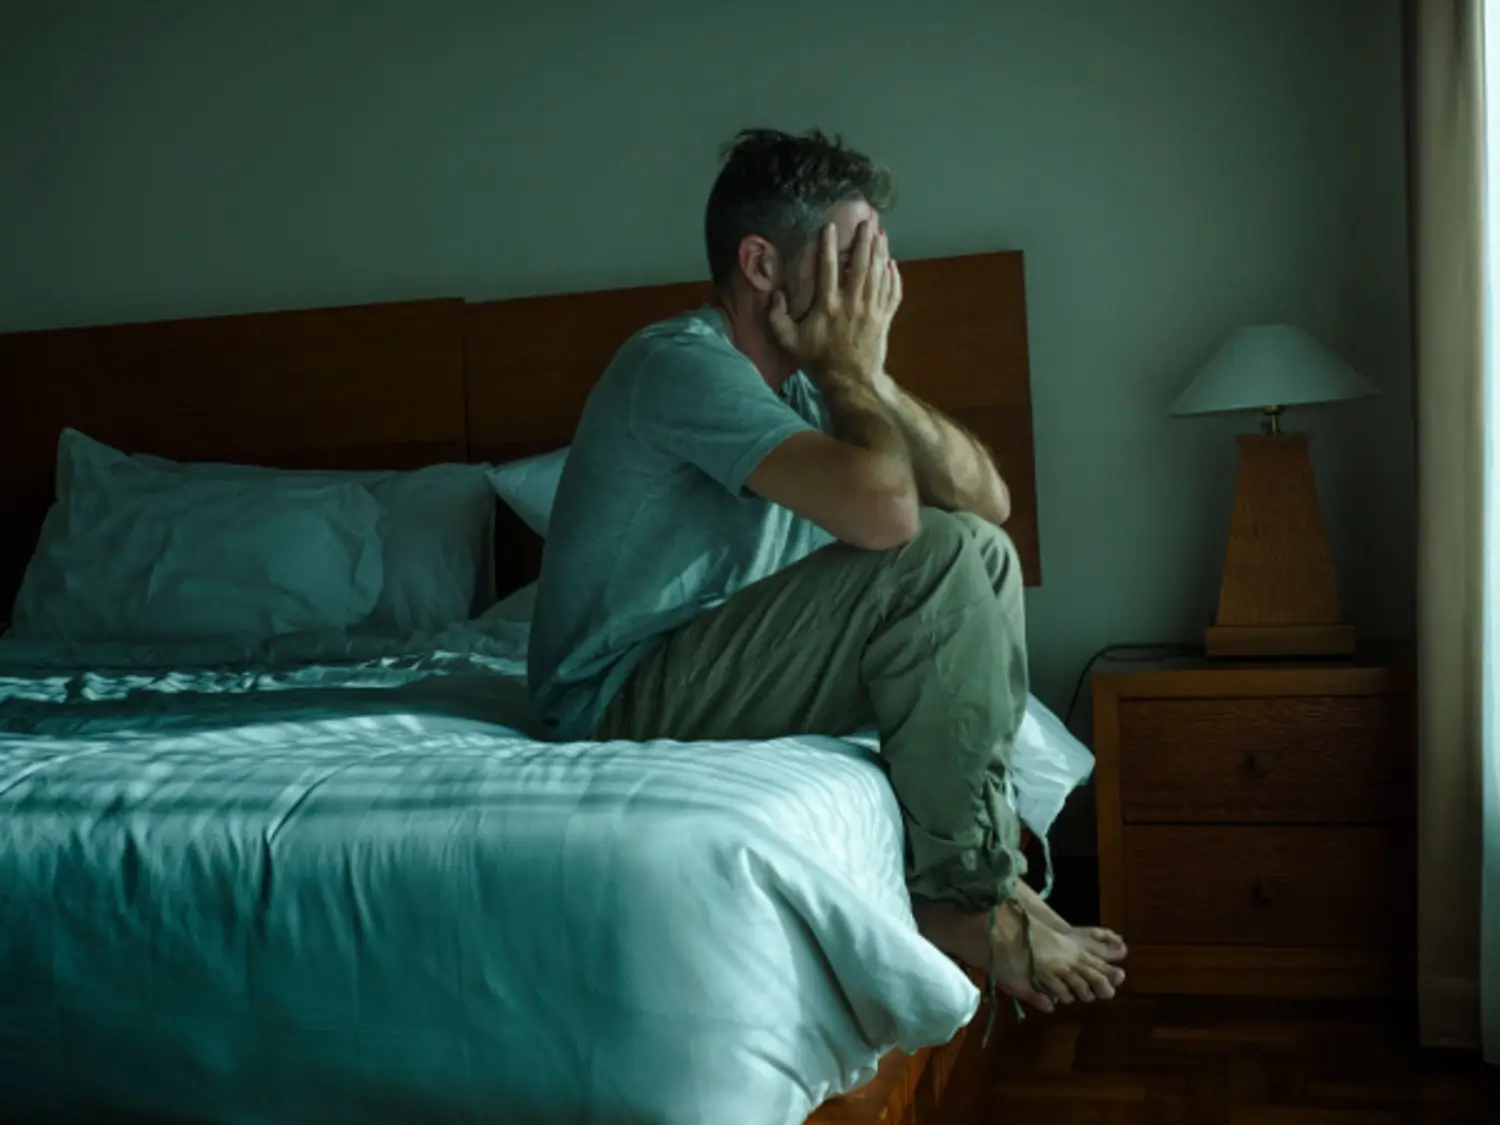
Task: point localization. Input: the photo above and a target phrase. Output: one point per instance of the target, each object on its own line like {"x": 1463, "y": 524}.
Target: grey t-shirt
{"x": 652, "y": 523}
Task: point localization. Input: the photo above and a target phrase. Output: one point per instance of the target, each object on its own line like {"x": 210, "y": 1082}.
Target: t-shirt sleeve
{"x": 709, "y": 406}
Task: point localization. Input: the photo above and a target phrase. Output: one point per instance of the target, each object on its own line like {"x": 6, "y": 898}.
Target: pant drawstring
{"x": 1047, "y": 864}
{"x": 992, "y": 990}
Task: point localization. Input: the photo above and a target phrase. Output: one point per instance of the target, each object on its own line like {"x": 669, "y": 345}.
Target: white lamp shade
{"x": 1270, "y": 365}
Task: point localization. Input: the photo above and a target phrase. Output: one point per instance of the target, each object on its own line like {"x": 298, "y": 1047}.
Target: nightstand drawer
{"x": 1284, "y": 886}
{"x": 1313, "y": 759}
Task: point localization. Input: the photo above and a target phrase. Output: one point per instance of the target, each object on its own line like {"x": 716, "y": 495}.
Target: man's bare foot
{"x": 1102, "y": 943}
{"x": 1065, "y": 969}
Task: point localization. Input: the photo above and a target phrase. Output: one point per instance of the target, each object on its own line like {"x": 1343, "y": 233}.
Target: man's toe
{"x": 1098, "y": 983}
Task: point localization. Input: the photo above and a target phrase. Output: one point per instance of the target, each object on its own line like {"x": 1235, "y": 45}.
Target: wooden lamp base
{"x": 1279, "y": 595}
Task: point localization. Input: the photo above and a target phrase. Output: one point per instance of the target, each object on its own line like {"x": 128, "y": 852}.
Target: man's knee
{"x": 948, "y": 549}
{"x": 940, "y": 535}
{"x": 1002, "y": 562}
{"x": 943, "y": 536}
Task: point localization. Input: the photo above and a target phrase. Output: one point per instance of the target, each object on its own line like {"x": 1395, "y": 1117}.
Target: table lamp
{"x": 1278, "y": 595}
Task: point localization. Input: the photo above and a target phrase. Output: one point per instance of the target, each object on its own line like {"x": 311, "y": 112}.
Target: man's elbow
{"x": 1002, "y": 507}
{"x": 889, "y": 522}
{"x": 999, "y": 503}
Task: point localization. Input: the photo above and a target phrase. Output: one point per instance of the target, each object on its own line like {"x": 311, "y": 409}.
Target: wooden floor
{"x": 1207, "y": 1061}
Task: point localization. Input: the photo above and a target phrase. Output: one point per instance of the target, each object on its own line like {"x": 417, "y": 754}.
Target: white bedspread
{"x": 332, "y": 891}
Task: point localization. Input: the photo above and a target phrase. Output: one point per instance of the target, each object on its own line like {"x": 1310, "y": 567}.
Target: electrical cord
{"x": 1155, "y": 650}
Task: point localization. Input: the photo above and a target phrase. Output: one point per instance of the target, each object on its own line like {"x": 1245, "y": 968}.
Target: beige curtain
{"x": 1447, "y": 149}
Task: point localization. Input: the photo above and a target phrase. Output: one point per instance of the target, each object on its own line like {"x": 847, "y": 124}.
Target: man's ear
{"x": 760, "y": 264}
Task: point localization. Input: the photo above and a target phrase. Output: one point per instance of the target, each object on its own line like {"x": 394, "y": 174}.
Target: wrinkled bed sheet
{"x": 339, "y": 881}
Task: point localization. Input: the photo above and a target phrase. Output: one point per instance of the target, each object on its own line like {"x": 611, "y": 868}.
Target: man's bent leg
{"x": 927, "y": 642}
{"x": 924, "y": 641}
{"x": 1004, "y": 568}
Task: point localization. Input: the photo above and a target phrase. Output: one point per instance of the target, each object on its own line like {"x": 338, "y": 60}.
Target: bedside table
{"x": 1256, "y": 826}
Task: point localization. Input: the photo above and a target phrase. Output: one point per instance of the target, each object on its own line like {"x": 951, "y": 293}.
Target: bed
{"x": 315, "y": 872}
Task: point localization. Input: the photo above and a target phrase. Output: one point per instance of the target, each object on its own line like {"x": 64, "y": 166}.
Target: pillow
{"x": 529, "y": 486}
{"x": 437, "y": 527}
{"x": 131, "y": 554}
{"x": 1047, "y": 764}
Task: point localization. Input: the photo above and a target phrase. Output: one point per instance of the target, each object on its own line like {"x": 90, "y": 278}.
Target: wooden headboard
{"x": 405, "y": 384}
{"x": 375, "y": 386}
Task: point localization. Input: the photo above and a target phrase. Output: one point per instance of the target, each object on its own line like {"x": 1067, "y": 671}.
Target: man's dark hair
{"x": 781, "y": 187}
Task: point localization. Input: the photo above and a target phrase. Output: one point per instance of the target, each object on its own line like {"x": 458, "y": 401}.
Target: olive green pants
{"x": 924, "y": 642}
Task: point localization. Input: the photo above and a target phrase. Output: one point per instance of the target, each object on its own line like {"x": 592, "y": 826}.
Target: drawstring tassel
{"x": 1047, "y": 862}
{"x": 992, "y": 990}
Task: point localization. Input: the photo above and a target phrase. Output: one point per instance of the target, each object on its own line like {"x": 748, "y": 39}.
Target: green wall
{"x": 1172, "y": 169}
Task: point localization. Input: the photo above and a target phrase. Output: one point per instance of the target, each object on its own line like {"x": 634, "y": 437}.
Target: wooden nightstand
{"x": 1256, "y": 826}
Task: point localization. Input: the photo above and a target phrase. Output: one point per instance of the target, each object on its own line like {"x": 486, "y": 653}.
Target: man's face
{"x": 802, "y": 276}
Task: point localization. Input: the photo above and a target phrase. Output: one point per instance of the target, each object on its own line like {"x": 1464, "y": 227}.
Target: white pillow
{"x": 1047, "y": 764}
{"x": 529, "y": 486}
{"x": 437, "y": 528}
{"x": 131, "y": 554}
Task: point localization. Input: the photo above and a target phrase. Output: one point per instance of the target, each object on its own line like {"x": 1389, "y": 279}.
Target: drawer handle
{"x": 1264, "y": 891}
{"x": 1261, "y": 762}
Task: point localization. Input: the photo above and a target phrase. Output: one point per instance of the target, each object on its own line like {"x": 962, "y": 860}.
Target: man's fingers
{"x": 859, "y": 258}
{"x": 889, "y": 279}
{"x": 895, "y": 297}
{"x": 782, "y": 325}
{"x": 878, "y": 277}
{"x": 828, "y": 268}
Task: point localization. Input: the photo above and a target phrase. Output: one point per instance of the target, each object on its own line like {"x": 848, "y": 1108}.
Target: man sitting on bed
{"x": 760, "y": 533}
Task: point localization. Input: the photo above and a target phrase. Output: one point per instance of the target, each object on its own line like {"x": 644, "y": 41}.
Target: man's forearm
{"x": 952, "y": 468}
{"x": 861, "y": 417}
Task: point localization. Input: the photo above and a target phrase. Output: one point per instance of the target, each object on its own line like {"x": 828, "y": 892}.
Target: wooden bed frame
{"x": 406, "y": 384}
